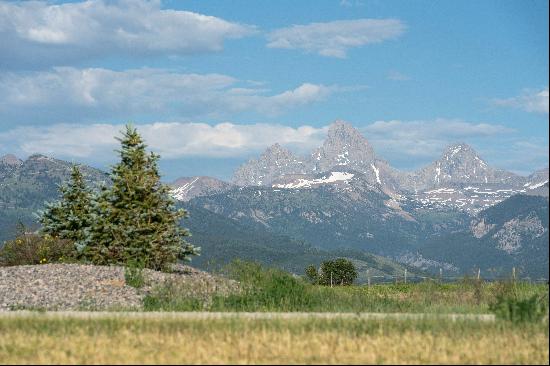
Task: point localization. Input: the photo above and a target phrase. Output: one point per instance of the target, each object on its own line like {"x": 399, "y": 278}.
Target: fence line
{"x": 378, "y": 279}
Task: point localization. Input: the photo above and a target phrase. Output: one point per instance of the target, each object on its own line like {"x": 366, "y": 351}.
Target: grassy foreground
{"x": 126, "y": 341}
{"x": 265, "y": 289}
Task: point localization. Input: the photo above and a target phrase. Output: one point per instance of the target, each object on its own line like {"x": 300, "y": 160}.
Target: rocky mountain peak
{"x": 277, "y": 152}
{"x": 539, "y": 175}
{"x": 344, "y": 145}
{"x": 10, "y": 160}
{"x": 461, "y": 164}
{"x": 344, "y": 148}
{"x": 459, "y": 152}
{"x": 343, "y": 131}
{"x": 461, "y": 157}
{"x": 39, "y": 157}
{"x": 275, "y": 162}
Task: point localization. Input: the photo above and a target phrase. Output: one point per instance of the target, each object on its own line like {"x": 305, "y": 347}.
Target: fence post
{"x": 514, "y": 274}
{"x": 478, "y": 273}
{"x": 368, "y": 277}
{"x": 330, "y": 278}
{"x": 405, "y": 276}
{"x": 440, "y": 275}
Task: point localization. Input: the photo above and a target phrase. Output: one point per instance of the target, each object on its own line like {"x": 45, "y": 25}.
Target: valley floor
{"x": 43, "y": 340}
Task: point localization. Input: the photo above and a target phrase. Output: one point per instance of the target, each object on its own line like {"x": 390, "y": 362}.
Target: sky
{"x": 211, "y": 84}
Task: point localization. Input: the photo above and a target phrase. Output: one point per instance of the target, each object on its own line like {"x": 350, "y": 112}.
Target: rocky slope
{"x": 335, "y": 210}
{"x": 53, "y": 286}
{"x": 223, "y": 239}
{"x": 274, "y": 163}
{"x": 512, "y": 233}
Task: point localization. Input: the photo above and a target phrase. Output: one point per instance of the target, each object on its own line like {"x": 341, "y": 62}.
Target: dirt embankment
{"x": 88, "y": 287}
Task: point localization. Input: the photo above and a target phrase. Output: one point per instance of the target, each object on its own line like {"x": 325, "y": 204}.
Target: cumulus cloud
{"x": 405, "y": 144}
{"x": 39, "y": 32}
{"x": 333, "y": 39}
{"x": 67, "y": 92}
{"x": 535, "y": 101}
{"x": 411, "y": 144}
{"x": 170, "y": 139}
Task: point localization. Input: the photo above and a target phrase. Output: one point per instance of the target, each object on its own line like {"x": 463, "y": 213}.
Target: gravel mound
{"x": 88, "y": 287}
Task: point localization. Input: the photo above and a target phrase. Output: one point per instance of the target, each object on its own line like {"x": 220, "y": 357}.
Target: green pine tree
{"x": 69, "y": 217}
{"x": 134, "y": 220}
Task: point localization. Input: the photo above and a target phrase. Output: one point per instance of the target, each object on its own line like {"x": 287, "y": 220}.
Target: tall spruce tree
{"x": 69, "y": 217}
{"x": 134, "y": 220}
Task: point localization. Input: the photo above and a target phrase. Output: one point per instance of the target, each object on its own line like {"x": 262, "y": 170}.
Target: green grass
{"x": 278, "y": 291}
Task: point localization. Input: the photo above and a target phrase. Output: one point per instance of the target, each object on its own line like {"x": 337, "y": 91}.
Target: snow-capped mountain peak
{"x": 460, "y": 164}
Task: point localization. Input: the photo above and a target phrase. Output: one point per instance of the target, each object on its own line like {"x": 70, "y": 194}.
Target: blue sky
{"x": 213, "y": 83}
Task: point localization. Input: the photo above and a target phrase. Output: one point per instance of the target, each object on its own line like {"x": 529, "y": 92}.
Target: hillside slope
{"x": 223, "y": 240}
{"x": 513, "y": 233}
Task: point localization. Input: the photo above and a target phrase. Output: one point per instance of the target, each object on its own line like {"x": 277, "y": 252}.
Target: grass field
{"x": 518, "y": 336}
{"x": 127, "y": 341}
{"x": 275, "y": 290}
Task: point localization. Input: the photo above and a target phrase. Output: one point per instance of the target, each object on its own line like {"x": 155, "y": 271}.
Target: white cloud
{"x": 405, "y": 144}
{"x": 170, "y": 139}
{"x": 333, "y": 39}
{"x": 41, "y": 32}
{"x": 67, "y": 93}
{"x": 415, "y": 143}
{"x": 411, "y": 145}
{"x": 535, "y": 101}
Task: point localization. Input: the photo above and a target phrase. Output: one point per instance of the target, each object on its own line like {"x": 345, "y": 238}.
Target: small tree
{"x": 342, "y": 272}
{"x": 69, "y": 217}
{"x": 311, "y": 274}
{"x": 134, "y": 220}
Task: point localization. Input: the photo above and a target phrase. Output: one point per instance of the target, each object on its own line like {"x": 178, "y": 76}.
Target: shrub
{"x": 519, "y": 310}
{"x": 263, "y": 289}
{"x": 311, "y": 274}
{"x": 339, "y": 271}
{"x": 30, "y": 248}
{"x": 508, "y": 304}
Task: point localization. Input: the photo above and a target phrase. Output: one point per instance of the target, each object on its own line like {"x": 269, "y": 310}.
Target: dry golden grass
{"x": 268, "y": 342}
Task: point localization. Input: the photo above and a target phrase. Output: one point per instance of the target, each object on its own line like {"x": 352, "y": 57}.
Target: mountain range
{"x": 344, "y": 196}
{"x": 457, "y": 214}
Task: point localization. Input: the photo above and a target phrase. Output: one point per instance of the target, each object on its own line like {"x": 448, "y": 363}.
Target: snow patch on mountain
{"x": 535, "y": 185}
{"x": 308, "y": 183}
{"x": 377, "y": 173}
{"x": 181, "y": 193}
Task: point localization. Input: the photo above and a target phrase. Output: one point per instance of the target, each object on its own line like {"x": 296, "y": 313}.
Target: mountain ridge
{"x": 346, "y": 146}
